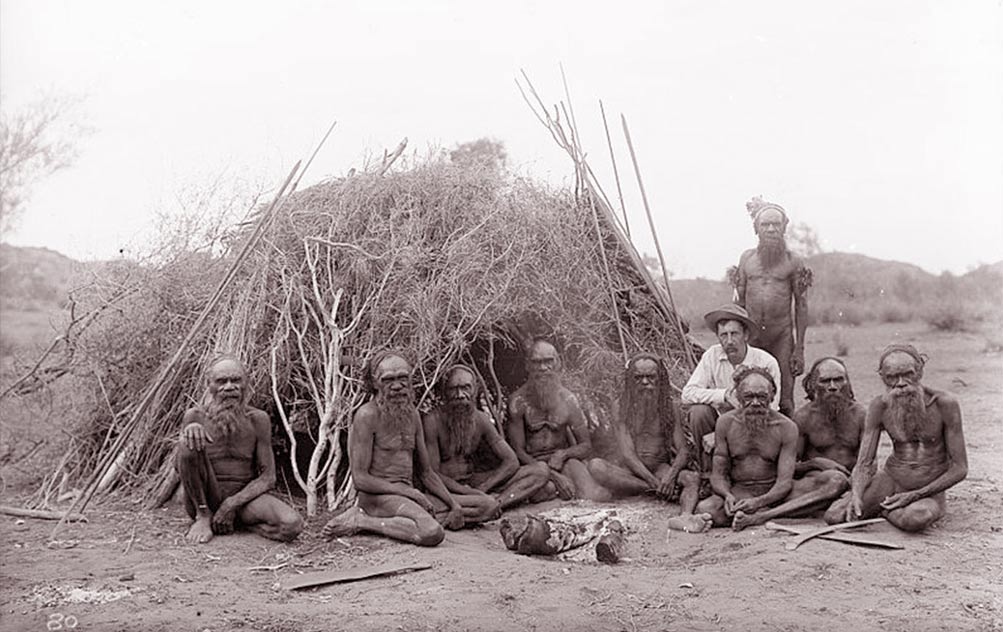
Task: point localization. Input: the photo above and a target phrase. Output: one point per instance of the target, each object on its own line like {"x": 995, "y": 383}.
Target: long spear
{"x": 658, "y": 247}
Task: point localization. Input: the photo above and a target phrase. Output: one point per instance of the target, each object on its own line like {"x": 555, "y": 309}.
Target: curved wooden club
{"x": 829, "y": 529}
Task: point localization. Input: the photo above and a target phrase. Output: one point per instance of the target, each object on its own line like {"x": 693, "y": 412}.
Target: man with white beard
{"x": 767, "y": 280}
{"x": 226, "y": 464}
{"x": 755, "y": 452}
{"x": 386, "y": 447}
{"x": 543, "y": 415}
{"x": 928, "y": 447}
{"x": 453, "y": 434}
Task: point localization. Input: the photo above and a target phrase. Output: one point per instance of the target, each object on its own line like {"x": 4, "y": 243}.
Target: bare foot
{"x": 345, "y": 522}
{"x": 743, "y": 520}
{"x": 691, "y": 523}
{"x": 201, "y": 530}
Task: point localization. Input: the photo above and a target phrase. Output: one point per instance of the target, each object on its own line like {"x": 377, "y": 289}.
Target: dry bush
{"x": 443, "y": 261}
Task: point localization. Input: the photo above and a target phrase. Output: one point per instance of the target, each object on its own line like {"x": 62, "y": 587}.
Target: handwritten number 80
{"x": 58, "y": 621}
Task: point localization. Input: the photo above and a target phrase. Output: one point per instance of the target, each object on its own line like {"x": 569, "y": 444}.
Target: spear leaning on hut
{"x": 116, "y": 450}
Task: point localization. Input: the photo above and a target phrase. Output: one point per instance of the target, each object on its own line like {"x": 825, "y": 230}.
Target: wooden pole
{"x": 658, "y": 247}
{"x": 616, "y": 172}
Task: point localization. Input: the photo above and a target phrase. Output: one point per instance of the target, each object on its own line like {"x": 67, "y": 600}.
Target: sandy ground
{"x": 129, "y": 569}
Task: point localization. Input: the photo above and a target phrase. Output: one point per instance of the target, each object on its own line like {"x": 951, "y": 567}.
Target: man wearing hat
{"x": 710, "y": 390}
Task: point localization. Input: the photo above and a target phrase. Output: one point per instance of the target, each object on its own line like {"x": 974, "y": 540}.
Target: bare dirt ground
{"x": 129, "y": 569}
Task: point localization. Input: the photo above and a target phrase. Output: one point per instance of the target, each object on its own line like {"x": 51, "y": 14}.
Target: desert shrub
{"x": 895, "y": 313}
{"x": 946, "y": 318}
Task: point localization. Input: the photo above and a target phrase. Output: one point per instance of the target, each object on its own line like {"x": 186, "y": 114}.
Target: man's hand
{"x": 195, "y": 437}
{"x": 454, "y": 519}
{"x": 898, "y": 501}
{"x": 222, "y": 520}
{"x": 707, "y": 442}
{"x": 421, "y": 499}
{"x": 855, "y": 508}
{"x": 729, "y": 504}
{"x": 565, "y": 488}
{"x": 556, "y": 460}
{"x": 748, "y": 505}
{"x": 797, "y": 362}
{"x": 666, "y": 487}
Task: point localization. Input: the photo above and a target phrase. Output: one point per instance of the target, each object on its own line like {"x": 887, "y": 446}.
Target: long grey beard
{"x": 642, "y": 413}
{"x": 224, "y": 417}
{"x": 771, "y": 252}
{"x": 544, "y": 392}
{"x": 397, "y": 417}
{"x": 755, "y": 422}
{"x": 908, "y": 411}
{"x": 834, "y": 406}
{"x": 460, "y": 428}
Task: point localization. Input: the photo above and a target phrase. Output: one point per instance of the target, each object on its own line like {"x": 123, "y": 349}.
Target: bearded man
{"x": 386, "y": 447}
{"x": 454, "y": 433}
{"x": 928, "y": 447}
{"x": 654, "y": 446}
{"x": 543, "y": 418}
{"x": 226, "y": 464}
{"x": 829, "y": 425}
{"x": 754, "y": 460}
{"x": 768, "y": 278}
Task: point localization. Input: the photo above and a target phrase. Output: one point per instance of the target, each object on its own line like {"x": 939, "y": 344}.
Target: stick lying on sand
{"x": 829, "y": 529}
{"x": 41, "y": 514}
{"x": 835, "y": 537}
{"x": 350, "y": 575}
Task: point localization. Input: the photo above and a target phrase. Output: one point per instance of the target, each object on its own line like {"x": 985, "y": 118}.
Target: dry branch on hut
{"x": 447, "y": 262}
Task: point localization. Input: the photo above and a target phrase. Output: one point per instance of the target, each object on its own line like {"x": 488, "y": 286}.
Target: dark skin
{"x": 541, "y": 436}
{"x": 227, "y": 476}
{"x": 825, "y": 444}
{"x": 751, "y": 471}
{"x": 511, "y": 483}
{"x": 382, "y": 460}
{"x": 767, "y": 293}
{"x": 647, "y": 459}
{"x": 927, "y": 458}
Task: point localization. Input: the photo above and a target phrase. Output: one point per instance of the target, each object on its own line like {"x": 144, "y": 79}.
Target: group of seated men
{"x": 732, "y": 460}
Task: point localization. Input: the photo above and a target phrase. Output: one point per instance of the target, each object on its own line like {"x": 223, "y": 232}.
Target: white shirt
{"x": 713, "y": 377}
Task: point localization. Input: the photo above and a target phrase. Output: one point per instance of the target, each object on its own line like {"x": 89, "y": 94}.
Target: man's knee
{"x": 687, "y": 478}
{"x": 598, "y": 467}
{"x": 917, "y": 516}
{"x": 538, "y": 471}
{"x": 833, "y": 481}
{"x": 187, "y": 459}
{"x": 290, "y": 525}
{"x": 430, "y": 534}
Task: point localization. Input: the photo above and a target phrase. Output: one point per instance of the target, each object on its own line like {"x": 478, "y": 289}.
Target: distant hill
{"x": 852, "y": 288}
{"x": 35, "y": 278}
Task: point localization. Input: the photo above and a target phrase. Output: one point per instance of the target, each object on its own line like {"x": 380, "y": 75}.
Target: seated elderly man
{"x": 829, "y": 426}
{"x": 654, "y": 447}
{"x": 543, "y": 416}
{"x": 386, "y": 446}
{"x": 754, "y": 459}
{"x": 454, "y": 433}
{"x": 710, "y": 391}
{"x": 928, "y": 447}
{"x": 226, "y": 464}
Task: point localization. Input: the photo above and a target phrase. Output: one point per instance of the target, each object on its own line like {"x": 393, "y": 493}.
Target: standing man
{"x": 386, "y": 446}
{"x": 710, "y": 391}
{"x": 543, "y": 418}
{"x": 768, "y": 279}
{"x": 928, "y": 447}
{"x": 453, "y": 433}
{"x": 226, "y": 464}
{"x": 654, "y": 445}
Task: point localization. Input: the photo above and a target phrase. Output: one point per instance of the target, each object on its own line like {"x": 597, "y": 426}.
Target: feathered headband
{"x": 757, "y": 205}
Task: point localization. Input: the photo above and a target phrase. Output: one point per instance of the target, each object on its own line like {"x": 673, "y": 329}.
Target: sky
{"x": 878, "y": 124}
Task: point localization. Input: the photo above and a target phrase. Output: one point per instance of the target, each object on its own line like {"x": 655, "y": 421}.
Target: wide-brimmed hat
{"x": 729, "y": 312}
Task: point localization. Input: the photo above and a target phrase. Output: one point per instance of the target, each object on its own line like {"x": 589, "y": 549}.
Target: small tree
{"x": 483, "y": 152}
{"x": 802, "y": 239}
{"x": 35, "y": 142}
